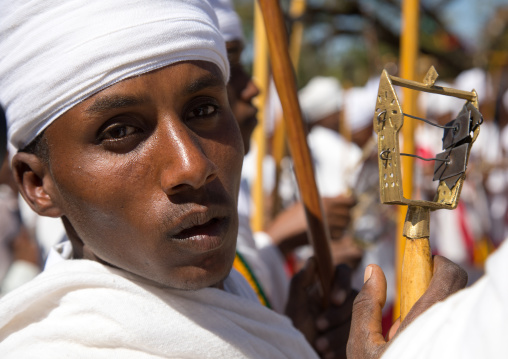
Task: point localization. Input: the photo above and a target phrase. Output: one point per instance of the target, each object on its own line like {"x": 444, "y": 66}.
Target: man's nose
{"x": 187, "y": 164}
{"x": 250, "y": 91}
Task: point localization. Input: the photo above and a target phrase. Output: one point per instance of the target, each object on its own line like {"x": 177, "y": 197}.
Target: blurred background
{"x": 353, "y": 40}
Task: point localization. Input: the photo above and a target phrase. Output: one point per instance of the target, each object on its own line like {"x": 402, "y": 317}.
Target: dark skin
{"x": 145, "y": 176}
{"x": 326, "y": 330}
{"x": 366, "y": 340}
{"x": 241, "y": 92}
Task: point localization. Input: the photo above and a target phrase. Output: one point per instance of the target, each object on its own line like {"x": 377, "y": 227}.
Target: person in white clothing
{"x": 120, "y": 114}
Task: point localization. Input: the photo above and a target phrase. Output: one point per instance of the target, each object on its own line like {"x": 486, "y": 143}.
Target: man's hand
{"x": 338, "y": 213}
{"x": 366, "y": 340}
{"x": 327, "y": 330}
{"x": 289, "y": 229}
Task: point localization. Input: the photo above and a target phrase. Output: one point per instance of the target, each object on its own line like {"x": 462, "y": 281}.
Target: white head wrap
{"x": 321, "y": 97}
{"x": 437, "y": 105}
{"x": 229, "y": 22}
{"x": 55, "y": 54}
{"x": 360, "y": 105}
{"x": 478, "y": 80}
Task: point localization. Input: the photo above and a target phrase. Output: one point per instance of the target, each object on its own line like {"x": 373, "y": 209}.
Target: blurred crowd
{"x": 339, "y": 123}
{"x": 345, "y": 155}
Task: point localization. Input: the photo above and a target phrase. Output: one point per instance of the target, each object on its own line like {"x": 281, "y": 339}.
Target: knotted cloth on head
{"x": 229, "y": 22}
{"x": 55, "y": 54}
{"x": 321, "y": 97}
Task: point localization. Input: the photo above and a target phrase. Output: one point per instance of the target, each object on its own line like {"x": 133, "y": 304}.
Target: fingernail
{"x": 322, "y": 323}
{"x": 367, "y": 274}
{"x": 322, "y": 344}
{"x": 339, "y": 297}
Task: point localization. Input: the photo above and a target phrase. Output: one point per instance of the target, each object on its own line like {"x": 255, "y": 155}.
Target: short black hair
{"x": 39, "y": 147}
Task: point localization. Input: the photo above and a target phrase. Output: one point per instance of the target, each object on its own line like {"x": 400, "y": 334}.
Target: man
{"x": 121, "y": 116}
{"x": 260, "y": 255}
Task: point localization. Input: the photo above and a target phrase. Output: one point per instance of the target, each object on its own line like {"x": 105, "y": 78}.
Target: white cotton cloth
{"x": 360, "y": 105}
{"x": 321, "y": 97}
{"x": 433, "y": 105}
{"x": 230, "y": 24}
{"x": 470, "y": 324}
{"x": 55, "y": 54}
{"x": 336, "y": 161}
{"x": 82, "y": 309}
{"x": 477, "y": 79}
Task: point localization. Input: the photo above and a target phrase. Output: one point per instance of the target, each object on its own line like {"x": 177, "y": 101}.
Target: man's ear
{"x": 35, "y": 184}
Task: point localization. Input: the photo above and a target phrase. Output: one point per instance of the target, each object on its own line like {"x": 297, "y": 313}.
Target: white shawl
{"x": 470, "y": 324}
{"x": 82, "y": 309}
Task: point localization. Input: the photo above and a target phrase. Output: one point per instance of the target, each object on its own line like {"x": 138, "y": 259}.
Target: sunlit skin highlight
{"x": 145, "y": 175}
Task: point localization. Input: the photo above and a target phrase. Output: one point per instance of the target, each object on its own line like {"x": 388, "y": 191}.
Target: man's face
{"x": 241, "y": 91}
{"x": 147, "y": 174}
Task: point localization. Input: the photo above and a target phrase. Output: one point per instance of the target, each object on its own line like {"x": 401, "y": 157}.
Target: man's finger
{"x": 393, "y": 329}
{"x": 366, "y": 338}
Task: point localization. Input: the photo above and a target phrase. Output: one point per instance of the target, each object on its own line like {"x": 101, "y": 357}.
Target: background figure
{"x": 19, "y": 254}
{"x": 373, "y": 224}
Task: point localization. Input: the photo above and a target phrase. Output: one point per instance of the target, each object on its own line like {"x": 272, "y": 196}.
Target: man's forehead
{"x": 121, "y": 95}
{"x": 234, "y": 49}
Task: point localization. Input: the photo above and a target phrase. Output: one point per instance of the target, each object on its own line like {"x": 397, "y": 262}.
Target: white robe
{"x": 473, "y": 323}
{"x": 82, "y": 309}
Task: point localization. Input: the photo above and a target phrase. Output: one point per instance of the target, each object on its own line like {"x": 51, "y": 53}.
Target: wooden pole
{"x": 285, "y": 82}
{"x": 409, "y": 55}
{"x": 260, "y": 77}
{"x": 417, "y": 261}
{"x": 296, "y": 10}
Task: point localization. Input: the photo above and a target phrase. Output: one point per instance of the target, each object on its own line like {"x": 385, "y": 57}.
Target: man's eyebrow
{"x": 207, "y": 81}
{"x": 107, "y": 103}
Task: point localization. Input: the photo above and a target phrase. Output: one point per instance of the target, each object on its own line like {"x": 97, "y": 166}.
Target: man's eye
{"x": 117, "y": 132}
{"x": 202, "y": 111}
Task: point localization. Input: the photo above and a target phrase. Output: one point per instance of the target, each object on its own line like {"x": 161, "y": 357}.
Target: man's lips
{"x": 202, "y": 230}
{"x": 208, "y": 228}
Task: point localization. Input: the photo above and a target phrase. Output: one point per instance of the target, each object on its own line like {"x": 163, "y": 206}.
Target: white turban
{"x": 321, "y": 97}
{"x": 360, "y": 105}
{"x": 478, "y": 80}
{"x": 437, "y": 105}
{"x": 229, "y": 22}
{"x": 55, "y": 54}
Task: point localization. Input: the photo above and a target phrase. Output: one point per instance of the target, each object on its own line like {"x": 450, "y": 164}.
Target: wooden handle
{"x": 285, "y": 83}
{"x": 417, "y": 264}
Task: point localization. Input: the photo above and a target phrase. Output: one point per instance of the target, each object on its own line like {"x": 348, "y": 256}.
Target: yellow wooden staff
{"x": 409, "y": 45}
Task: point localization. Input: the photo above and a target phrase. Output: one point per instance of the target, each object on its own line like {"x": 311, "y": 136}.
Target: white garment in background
{"x": 335, "y": 161}
{"x": 473, "y": 323}
{"x": 263, "y": 258}
{"x": 82, "y": 309}
{"x": 13, "y": 272}
{"x": 9, "y": 227}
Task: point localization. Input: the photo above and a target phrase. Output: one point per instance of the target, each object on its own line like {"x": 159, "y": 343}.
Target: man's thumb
{"x": 366, "y": 336}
